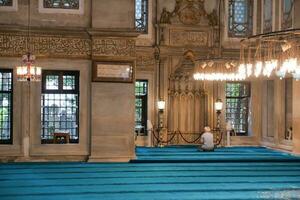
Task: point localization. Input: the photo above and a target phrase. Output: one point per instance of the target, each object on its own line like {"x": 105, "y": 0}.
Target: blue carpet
{"x": 279, "y": 178}
{"x": 232, "y": 154}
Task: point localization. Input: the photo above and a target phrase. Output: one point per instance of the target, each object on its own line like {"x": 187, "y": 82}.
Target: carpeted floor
{"x": 227, "y": 173}
{"x": 232, "y": 154}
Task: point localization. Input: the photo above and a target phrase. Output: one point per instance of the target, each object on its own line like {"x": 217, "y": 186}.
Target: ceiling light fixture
{"x": 27, "y": 71}
{"x": 275, "y": 53}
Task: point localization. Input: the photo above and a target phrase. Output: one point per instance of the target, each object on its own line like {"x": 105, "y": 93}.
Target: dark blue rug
{"x": 161, "y": 181}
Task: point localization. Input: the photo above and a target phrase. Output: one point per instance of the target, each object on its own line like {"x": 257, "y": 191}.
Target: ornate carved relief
{"x": 145, "y": 62}
{"x": 189, "y": 38}
{"x": 44, "y": 45}
{"x": 113, "y": 47}
{"x": 187, "y": 110}
{"x": 188, "y": 12}
{"x": 50, "y": 45}
{"x": 187, "y": 100}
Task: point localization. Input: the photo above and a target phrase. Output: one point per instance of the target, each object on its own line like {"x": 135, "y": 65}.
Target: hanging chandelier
{"x": 27, "y": 71}
{"x": 270, "y": 54}
{"x": 218, "y": 69}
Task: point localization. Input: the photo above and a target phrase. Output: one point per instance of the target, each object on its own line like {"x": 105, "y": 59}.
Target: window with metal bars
{"x": 240, "y": 18}
{"x": 288, "y": 95}
{"x": 6, "y": 2}
{"x": 287, "y": 14}
{"x": 6, "y": 93}
{"x": 141, "y": 96}
{"x": 237, "y": 105}
{"x": 63, "y": 4}
{"x": 60, "y": 105}
{"x": 141, "y": 15}
{"x": 268, "y": 16}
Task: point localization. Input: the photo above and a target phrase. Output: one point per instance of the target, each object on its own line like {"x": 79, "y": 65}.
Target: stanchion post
{"x": 218, "y": 107}
{"x": 161, "y": 107}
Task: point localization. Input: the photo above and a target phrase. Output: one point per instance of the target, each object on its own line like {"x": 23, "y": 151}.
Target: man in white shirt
{"x": 207, "y": 140}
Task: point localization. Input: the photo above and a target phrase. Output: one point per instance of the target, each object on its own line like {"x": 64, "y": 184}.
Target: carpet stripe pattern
{"x": 239, "y": 173}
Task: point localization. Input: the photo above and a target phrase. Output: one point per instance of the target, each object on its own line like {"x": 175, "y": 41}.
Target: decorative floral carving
{"x": 213, "y": 18}
{"x": 189, "y": 12}
{"x": 113, "y": 47}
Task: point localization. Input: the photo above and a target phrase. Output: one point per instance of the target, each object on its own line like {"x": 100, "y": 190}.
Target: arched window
{"x": 141, "y": 15}
{"x": 240, "y": 18}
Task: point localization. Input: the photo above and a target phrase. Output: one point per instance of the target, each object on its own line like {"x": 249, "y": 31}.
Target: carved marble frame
{"x": 96, "y": 78}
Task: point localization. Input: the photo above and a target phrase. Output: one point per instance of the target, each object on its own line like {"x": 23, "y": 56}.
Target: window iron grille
{"x": 6, "y": 93}
{"x": 240, "y": 18}
{"x": 141, "y": 96}
{"x": 61, "y": 4}
{"x": 237, "y": 105}
{"x": 141, "y": 15}
{"x": 60, "y": 105}
{"x": 287, "y": 14}
{"x": 268, "y": 16}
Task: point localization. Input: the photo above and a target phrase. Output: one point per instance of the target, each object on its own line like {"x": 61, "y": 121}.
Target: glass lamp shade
{"x": 161, "y": 105}
{"x": 28, "y": 73}
{"x": 218, "y": 105}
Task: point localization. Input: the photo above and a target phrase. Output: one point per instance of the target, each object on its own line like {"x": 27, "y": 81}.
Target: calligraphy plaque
{"x": 113, "y": 71}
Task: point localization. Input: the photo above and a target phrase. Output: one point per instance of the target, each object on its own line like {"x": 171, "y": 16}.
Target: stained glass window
{"x": 141, "y": 95}
{"x": 6, "y": 2}
{"x": 287, "y": 14}
{"x": 64, "y": 4}
{"x": 240, "y": 18}
{"x": 6, "y": 106}
{"x": 60, "y": 105}
{"x": 141, "y": 15}
{"x": 237, "y": 105}
{"x": 268, "y": 16}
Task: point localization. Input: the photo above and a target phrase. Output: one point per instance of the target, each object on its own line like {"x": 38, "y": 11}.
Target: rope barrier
{"x": 190, "y": 142}
{"x": 173, "y": 134}
{"x": 158, "y": 140}
{"x": 219, "y": 142}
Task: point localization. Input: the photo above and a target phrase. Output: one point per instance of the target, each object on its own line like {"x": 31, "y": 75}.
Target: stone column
{"x": 112, "y": 103}
{"x": 296, "y": 116}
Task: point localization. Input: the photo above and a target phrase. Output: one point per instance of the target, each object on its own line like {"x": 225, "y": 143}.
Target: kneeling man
{"x": 207, "y": 140}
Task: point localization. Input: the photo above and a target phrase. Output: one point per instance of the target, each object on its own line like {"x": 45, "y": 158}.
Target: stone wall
{"x": 104, "y": 31}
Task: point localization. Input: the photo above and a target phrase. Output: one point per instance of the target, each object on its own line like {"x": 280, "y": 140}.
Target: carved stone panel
{"x": 122, "y": 47}
{"x": 145, "y": 62}
{"x": 44, "y": 45}
{"x": 188, "y": 38}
